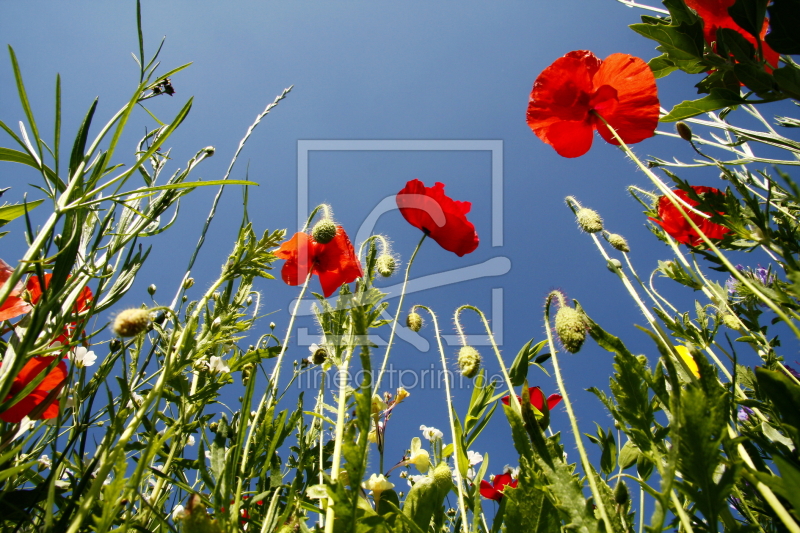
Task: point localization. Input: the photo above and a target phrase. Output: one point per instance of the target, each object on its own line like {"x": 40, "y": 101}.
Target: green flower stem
{"x": 397, "y": 315}
{"x": 376, "y": 237}
{"x": 679, "y": 205}
{"x": 587, "y": 466}
{"x": 682, "y": 516}
{"x": 450, "y": 409}
{"x": 339, "y": 437}
{"x": 513, "y": 400}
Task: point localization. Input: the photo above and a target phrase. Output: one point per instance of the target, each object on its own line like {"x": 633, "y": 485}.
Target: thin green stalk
{"x": 587, "y": 466}
{"x": 338, "y": 437}
{"x": 450, "y": 409}
{"x": 397, "y": 314}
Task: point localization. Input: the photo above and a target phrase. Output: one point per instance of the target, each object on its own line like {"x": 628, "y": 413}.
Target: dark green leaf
{"x": 718, "y": 99}
{"x": 519, "y": 368}
{"x": 749, "y": 14}
{"x": 661, "y": 66}
{"x": 784, "y": 19}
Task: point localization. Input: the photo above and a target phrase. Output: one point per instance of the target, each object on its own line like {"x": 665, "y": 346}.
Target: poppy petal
{"x": 489, "y": 492}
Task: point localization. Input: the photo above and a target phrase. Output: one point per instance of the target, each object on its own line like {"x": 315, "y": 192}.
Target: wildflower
{"x": 44, "y": 462}
{"x": 131, "y": 322}
{"x": 673, "y": 222}
{"x": 190, "y": 440}
{"x": 378, "y": 405}
{"x": 570, "y": 327}
{"x": 537, "y": 399}
{"x": 744, "y": 413}
{"x": 474, "y": 458}
{"x": 469, "y": 361}
{"x": 418, "y": 457}
{"x": 513, "y": 470}
{"x": 81, "y": 357}
{"x": 715, "y": 17}
{"x": 414, "y": 322}
{"x": 413, "y": 480}
{"x": 318, "y": 354}
{"x": 178, "y": 512}
{"x": 401, "y": 395}
{"x": 683, "y": 351}
{"x": 445, "y": 220}
{"x": 376, "y": 484}
{"x": 431, "y": 433}
{"x": 569, "y": 94}
{"x": 494, "y": 490}
{"x": 41, "y": 401}
{"x": 334, "y": 262}
{"x": 216, "y": 364}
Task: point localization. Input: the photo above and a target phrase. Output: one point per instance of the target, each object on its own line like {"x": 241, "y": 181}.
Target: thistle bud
{"x": 414, "y": 322}
{"x": 385, "y": 265}
{"x": 618, "y": 242}
{"x": 589, "y": 220}
{"x": 151, "y": 290}
{"x": 131, "y": 322}
{"x": 684, "y": 131}
{"x": 324, "y": 231}
{"x": 469, "y": 361}
{"x": 570, "y": 328}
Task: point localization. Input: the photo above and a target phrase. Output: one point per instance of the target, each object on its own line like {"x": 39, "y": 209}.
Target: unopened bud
{"x": 570, "y": 328}
{"x": 621, "y": 495}
{"x": 151, "y": 290}
{"x": 589, "y": 220}
{"x": 730, "y": 321}
{"x": 272, "y": 325}
{"x": 414, "y": 322}
{"x": 324, "y": 231}
{"x": 469, "y": 361}
{"x": 385, "y": 265}
{"x": 684, "y": 131}
{"x": 114, "y": 344}
{"x": 249, "y": 300}
{"x": 131, "y": 322}
{"x": 247, "y": 371}
{"x": 216, "y": 324}
{"x": 614, "y": 265}
{"x": 188, "y": 282}
{"x": 642, "y": 359}
{"x": 618, "y": 242}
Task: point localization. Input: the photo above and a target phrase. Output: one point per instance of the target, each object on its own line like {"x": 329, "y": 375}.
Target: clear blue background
{"x": 370, "y": 70}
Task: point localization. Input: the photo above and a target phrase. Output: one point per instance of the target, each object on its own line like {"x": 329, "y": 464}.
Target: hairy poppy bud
{"x": 414, "y": 322}
{"x": 730, "y": 321}
{"x": 618, "y": 242}
{"x": 131, "y": 322}
{"x": 324, "y": 231}
{"x": 469, "y": 361}
{"x": 589, "y": 220}
{"x": 684, "y": 131}
{"x": 570, "y": 328}
{"x": 385, "y": 265}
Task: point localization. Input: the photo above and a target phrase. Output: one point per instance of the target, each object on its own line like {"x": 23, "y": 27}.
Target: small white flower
{"x": 513, "y": 471}
{"x": 208, "y": 455}
{"x": 137, "y": 399}
{"x": 190, "y": 440}
{"x": 177, "y": 512}
{"x": 474, "y": 458}
{"x": 216, "y": 365}
{"x": 418, "y": 457}
{"x": 45, "y": 462}
{"x": 413, "y": 480}
{"x": 377, "y": 484}
{"x": 431, "y": 433}
{"x": 81, "y": 357}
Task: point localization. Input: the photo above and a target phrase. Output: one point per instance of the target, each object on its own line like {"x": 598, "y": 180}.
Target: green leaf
{"x": 681, "y": 43}
{"x": 788, "y": 79}
{"x": 785, "y": 394}
{"x": 528, "y": 507}
{"x": 749, "y": 14}
{"x": 661, "y": 66}
{"x": 718, "y": 99}
{"x": 731, "y": 42}
{"x": 10, "y": 212}
{"x": 519, "y": 368}
{"x": 784, "y": 19}
{"x": 754, "y": 77}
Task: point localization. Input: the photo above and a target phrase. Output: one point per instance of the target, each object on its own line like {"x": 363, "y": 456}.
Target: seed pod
{"x": 131, "y": 322}
{"x": 385, "y": 265}
{"x": 618, "y": 242}
{"x": 324, "y": 231}
{"x": 414, "y": 322}
{"x": 570, "y": 328}
{"x": 469, "y": 361}
{"x": 589, "y": 220}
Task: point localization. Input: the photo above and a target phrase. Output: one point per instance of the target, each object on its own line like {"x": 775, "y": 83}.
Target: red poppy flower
{"x": 40, "y": 397}
{"x": 672, "y": 221}
{"x": 621, "y": 89}
{"x": 537, "y": 399}
{"x": 14, "y": 305}
{"x": 334, "y": 262}
{"x": 715, "y": 16}
{"x": 494, "y": 490}
{"x": 439, "y": 216}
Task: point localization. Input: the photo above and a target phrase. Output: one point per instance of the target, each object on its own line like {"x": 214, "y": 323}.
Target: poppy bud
{"x": 469, "y": 361}
{"x": 589, "y": 220}
{"x": 131, "y": 322}
{"x": 414, "y": 322}
{"x": 114, "y": 344}
{"x": 621, "y": 495}
{"x": 151, "y": 290}
{"x": 385, "y": 265}
{"x": 618, "y": 242}
{"x": 570, "y": 328}
{"x": 730, "y": 321}
{"x": 324, "y": 231}
{"x": 684, "y": 131}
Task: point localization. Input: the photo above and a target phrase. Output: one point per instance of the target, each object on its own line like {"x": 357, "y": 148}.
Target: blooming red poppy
{"x": 439, "y": 216}
{"x": 334, "y": 262}
{"x": 13, "y": 306}
{"x": 672, "y": 221}
{"x": 715, "y": 16}
{"x": 40, "y": 397}
{"x": 494, "y": 490}
{"x": 537, "y": 399}
{"x": 569, "y": 94}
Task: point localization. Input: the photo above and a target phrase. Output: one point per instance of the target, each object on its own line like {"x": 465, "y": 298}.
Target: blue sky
{"x": 371, "y": 71}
